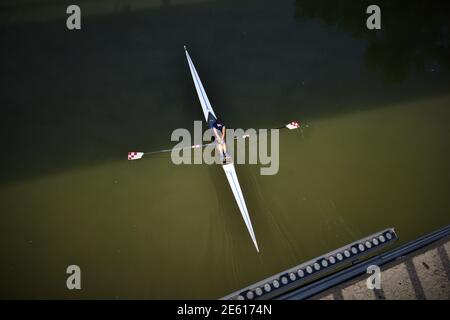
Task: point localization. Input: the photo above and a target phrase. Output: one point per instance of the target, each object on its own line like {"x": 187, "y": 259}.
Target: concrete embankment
{"x": 423, "y": 274}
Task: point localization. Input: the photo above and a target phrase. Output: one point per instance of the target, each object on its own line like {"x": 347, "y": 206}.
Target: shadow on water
{"x": 76, "y": 99}
{"x": 414, "y": 36}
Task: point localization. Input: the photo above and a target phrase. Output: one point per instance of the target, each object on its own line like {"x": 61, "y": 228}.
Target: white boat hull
{"x": 229, "y": 169}
{"x": 230, "y": 172}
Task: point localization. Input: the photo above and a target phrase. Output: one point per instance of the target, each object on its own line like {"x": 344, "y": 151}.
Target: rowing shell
{"x": 229, "y": 169}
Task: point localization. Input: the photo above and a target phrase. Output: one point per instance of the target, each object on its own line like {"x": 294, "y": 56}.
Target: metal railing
{"x": 313, "y": 269}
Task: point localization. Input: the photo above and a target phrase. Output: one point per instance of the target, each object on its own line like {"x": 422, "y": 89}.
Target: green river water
{"x": 374, "y": 153}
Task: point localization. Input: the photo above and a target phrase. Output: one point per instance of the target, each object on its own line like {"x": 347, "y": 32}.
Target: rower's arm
{"x": 216, "y": 133}
{"x": 223, "y": 133}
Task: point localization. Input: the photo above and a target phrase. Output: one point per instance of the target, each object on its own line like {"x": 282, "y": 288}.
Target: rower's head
{"x": 219, "y": 121}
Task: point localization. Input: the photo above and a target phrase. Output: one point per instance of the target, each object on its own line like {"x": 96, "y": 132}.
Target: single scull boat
{"x": 229, "y": 169}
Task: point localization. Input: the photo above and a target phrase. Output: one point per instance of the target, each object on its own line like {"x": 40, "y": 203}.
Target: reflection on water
{"x": 373, "y": 154}
{"x": 31, "y": 11}
{"x": 415, "y": 35}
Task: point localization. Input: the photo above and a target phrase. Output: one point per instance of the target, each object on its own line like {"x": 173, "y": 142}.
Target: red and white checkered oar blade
{"x": 134, "y": 155}
{"x": 293, "y": 125}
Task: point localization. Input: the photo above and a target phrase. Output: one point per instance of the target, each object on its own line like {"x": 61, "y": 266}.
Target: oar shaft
{"x": 177, "y": 149}
{"x": 200, "y": 146}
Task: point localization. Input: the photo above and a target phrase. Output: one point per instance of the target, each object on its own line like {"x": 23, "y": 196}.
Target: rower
{"x": 219, "y": 134}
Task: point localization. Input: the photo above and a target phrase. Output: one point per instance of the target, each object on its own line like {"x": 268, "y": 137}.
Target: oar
{"x": 137, "y": 155}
